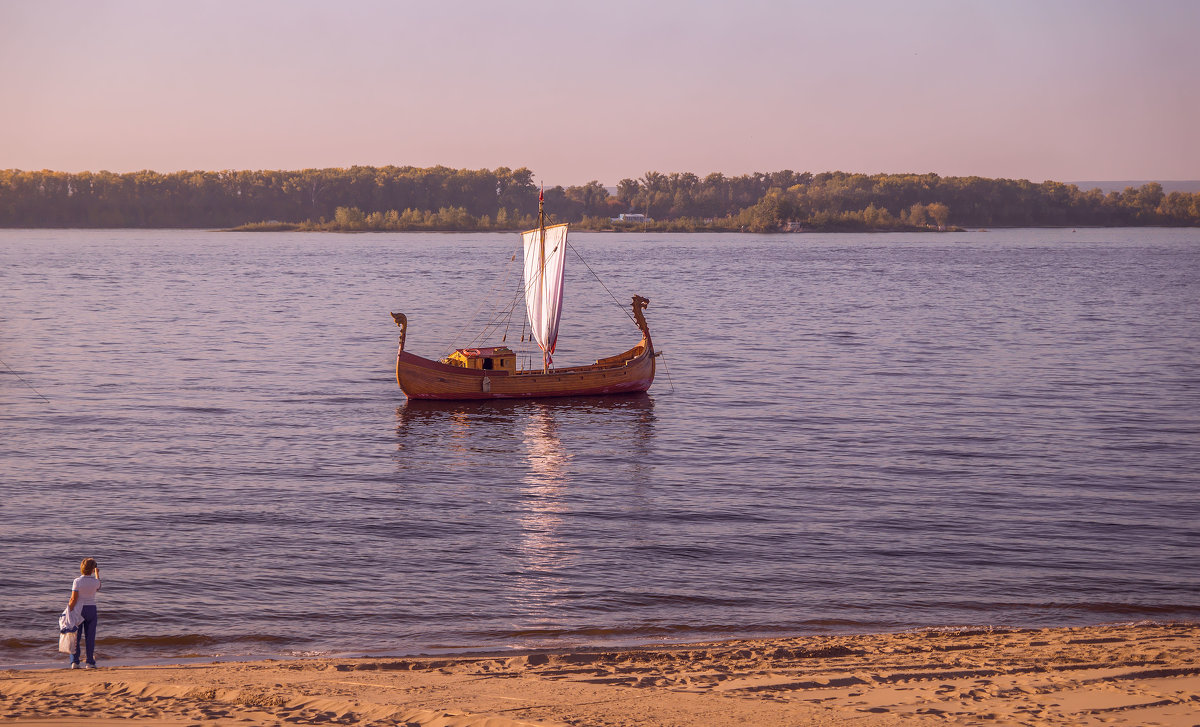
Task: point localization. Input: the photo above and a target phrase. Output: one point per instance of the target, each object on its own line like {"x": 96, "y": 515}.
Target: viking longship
{"x": 492, "y": 373}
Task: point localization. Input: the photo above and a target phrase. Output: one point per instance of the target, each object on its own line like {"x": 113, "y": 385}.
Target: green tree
{"x": 916, "y": 215}
{"x": 627, "y": 191}
{"x": 349, "y": 218}
{"x": 940, "y": 214}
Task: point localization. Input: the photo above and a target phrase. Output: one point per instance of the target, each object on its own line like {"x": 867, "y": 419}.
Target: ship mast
{"x": 542, "y": 263}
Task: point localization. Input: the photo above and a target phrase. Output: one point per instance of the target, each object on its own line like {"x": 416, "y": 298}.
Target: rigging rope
{"x": 504, "y": 315}
{"x": 602, "y": 285}
{"x": 522, "y": 294}
{"x": 483, "y": 301}
{"x": 663, "y": 356}
{"x": 23, "y": 381}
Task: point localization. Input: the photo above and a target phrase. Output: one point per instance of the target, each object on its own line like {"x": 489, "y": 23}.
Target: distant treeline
{"x": 440, "y": 198}
{"x": 230, "y": 198}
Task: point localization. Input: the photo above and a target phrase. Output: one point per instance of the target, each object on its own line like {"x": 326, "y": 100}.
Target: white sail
{"x": 544, "y": 257}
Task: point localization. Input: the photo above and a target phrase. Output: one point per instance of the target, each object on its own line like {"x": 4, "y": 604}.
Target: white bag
{"x": 68, "y": 641}
{"x": 68, "y": 629}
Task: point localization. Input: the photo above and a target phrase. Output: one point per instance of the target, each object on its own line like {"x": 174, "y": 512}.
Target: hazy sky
{"x": 1044, "y": 89}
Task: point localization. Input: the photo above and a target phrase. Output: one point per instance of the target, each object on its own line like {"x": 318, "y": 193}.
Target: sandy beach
{"x": 1143, "y": 674}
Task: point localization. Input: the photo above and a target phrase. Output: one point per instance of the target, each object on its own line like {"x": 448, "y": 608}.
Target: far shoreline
{"x": 604, "y": 231}
{"x": 992, "y": 228}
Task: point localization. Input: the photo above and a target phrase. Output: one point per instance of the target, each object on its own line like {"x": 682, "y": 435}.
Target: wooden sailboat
{"x": 491, "y": 373}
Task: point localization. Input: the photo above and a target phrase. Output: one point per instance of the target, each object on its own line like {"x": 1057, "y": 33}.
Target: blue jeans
{"x": 87, "y": 630}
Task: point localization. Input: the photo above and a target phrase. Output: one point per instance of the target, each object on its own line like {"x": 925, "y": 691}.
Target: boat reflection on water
{"x": 543, "y": 555}
{"x": 524, "y": 470}
{"x": 526, "y": 440}
{"x": 490, "y": 433}
{"x": 542, "y": 489}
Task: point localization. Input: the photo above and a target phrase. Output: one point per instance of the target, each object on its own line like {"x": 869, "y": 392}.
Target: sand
{"x": 1143, "y": 674}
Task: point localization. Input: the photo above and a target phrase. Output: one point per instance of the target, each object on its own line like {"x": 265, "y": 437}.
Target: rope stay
{"x": 485, "y": 300}
{"x": 502, "y": 316}
{"x": 23, "y": 381}
{"x": 504, "y": 312}
{"x": 602, "y": 285}
{"x": 663, "y": 356}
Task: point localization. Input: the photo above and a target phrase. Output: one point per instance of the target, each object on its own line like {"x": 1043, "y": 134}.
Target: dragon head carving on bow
{"x": 402, "y": 321}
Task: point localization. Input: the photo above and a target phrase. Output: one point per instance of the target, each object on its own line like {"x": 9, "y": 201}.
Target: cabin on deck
{"x": 496, "y": 358}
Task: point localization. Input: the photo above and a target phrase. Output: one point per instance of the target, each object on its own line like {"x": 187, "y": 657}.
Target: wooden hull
{"x": 422, "y": 378}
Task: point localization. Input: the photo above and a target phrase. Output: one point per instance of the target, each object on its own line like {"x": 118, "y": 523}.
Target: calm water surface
{"x": 847, "y": 432}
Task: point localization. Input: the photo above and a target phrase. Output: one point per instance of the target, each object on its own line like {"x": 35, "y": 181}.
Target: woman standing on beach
{"x": 83, "y": 593}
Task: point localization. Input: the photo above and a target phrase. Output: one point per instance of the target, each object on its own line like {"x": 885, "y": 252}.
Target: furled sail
{"x": 545, "y": 252}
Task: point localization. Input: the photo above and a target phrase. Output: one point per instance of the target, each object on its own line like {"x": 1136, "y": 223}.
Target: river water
{"x": 847, "y": 433}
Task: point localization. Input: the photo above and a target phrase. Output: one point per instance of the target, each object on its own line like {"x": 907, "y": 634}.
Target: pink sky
{"x": 1047, "y": 89}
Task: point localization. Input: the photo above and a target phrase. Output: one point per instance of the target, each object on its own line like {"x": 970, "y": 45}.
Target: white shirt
{"x": 86, "y": 587}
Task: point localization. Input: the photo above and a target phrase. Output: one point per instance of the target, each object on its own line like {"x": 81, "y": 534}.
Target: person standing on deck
{"x": 83, "y": 593}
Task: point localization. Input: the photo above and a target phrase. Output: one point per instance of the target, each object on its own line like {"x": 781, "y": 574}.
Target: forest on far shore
{"x": 440, "y": 198}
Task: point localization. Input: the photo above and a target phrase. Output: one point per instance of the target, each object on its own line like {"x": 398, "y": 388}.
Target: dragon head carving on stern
{"x": 640, "y": 304}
